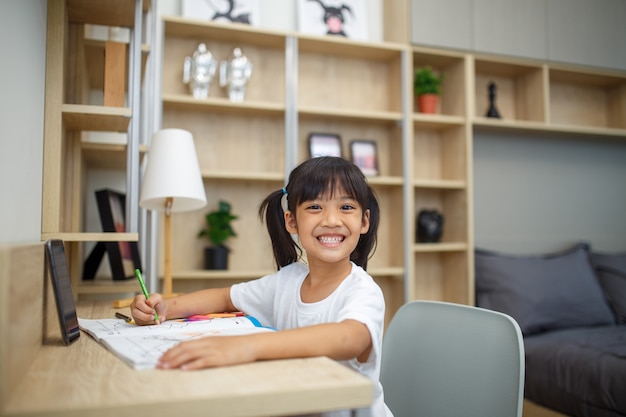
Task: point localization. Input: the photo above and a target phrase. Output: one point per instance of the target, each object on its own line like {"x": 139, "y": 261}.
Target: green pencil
{"x": 145, "y": 290}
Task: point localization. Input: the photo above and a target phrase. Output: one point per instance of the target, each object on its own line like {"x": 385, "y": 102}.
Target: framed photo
{"x": 347, "y": 18}
{"x": 324, "y": 144}
{"x": 364, "y": 155}
{"x": 123, "y": 256}
{"x": 239, "y": 11}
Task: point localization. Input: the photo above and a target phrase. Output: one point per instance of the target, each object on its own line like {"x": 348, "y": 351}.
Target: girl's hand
{"x": 143, "y": 310}
{"x": 208, "y": 352}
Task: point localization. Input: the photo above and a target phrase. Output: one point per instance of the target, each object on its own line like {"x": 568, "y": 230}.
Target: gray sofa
{"x": 571, "y": 308}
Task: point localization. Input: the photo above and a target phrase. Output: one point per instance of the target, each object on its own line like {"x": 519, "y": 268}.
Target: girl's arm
{"x": 212, "y": 300}
{"x": 340, "y": 341}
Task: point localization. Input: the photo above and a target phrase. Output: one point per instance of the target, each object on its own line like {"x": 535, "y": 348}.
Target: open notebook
{"x": 142, "y": 346}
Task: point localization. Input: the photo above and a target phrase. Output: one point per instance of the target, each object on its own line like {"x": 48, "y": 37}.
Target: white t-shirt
{"x": 275, "y": 301}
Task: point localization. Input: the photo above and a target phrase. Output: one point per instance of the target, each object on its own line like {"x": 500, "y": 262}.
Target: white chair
{"x": 450, "y": 360}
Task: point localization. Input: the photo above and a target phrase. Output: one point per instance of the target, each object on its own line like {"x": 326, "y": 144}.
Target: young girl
{"x": 328, "y": 306}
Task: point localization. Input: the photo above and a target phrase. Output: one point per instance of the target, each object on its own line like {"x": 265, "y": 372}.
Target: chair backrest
{"x": 450, "y": 360}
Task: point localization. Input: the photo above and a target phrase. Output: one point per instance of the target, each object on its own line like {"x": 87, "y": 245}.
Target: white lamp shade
{"x": 172, "y": 171}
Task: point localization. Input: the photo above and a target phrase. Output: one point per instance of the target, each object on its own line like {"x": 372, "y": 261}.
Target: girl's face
{"x": 329, "y": 228}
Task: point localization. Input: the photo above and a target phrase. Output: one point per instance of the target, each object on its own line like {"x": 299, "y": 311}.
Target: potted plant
{"x": 427, "y": 87}
{"x": 218, "y": 230}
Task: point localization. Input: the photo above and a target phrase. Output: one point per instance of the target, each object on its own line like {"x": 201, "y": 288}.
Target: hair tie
{"x": 284, "y": 190}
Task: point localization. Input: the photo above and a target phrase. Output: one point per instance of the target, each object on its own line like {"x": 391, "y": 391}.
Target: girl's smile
{"x": 333, "y": 240}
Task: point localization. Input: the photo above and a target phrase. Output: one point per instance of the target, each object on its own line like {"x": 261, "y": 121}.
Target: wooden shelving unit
{"x": 75, "y": 69}
{"x": 303, "y": 84}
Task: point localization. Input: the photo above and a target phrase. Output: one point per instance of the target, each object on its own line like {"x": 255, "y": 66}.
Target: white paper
{"x": 142, "y": 346}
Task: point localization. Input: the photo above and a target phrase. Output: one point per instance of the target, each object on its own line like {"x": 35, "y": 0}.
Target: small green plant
{"x": 218, "y": 228}
{"x": 426, "y": 81}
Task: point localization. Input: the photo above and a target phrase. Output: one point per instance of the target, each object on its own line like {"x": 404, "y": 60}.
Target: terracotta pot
{"x": 427, "y": 103}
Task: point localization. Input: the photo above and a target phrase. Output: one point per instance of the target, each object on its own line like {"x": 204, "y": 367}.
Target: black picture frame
{"x": 123, "y": 256}
{"x": 324, "y": 144}
{"x": 364, "y": 154}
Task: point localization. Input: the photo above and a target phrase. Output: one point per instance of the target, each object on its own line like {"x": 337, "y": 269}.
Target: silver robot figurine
{"x": 235, "y": 74}
{"x": 199, "y": 70}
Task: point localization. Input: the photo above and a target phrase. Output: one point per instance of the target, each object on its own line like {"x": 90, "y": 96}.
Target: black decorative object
{"x": 429, "y": 226}
{"x": 124, "y": 257}
{"x": 493, "y": 111}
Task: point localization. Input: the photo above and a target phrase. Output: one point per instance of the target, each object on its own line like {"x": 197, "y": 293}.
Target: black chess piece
{"x": 493, "y": 111}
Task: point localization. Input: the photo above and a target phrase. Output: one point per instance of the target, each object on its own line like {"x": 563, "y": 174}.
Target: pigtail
{"x": 284, "y": 247}
{"x": 367, "y": 242}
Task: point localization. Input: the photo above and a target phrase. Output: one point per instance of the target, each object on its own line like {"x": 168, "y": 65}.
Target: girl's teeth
{"x": 325, "y": 239}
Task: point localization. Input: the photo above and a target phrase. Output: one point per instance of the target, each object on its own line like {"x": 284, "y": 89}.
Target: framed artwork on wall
{"x": 324, "y": 144}
{"x": 364, "y": 154}
{"x": 228, "y": 11}
{"x": 347, "y": 18}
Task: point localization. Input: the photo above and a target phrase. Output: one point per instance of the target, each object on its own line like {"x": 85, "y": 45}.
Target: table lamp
{"x": 172, "y": 183}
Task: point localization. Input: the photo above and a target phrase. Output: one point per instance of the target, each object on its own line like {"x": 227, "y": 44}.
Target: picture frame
{"x": 364, "y": 154}
{"x": 324, "y": 144}
{"x": 240, "y": 11}
{"x": 346, "y": 18}
{"x": 123, "y": 256}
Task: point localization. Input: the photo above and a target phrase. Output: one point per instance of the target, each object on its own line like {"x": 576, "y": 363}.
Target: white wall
{"x": 22, "y": 87}
{"x": 539, "y": 194}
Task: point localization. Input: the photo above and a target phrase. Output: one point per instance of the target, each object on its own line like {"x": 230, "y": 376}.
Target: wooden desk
{"x": 85, "y": 379}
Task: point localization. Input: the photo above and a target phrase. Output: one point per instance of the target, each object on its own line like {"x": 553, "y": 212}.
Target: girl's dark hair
{"x": 308, "y": 181}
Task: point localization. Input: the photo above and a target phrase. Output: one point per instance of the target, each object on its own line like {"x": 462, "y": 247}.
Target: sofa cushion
{"x": 611, "y": 272}
{"x": 542, "y": 292}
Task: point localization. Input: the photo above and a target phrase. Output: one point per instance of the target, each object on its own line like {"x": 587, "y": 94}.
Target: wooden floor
{"x": 535, "y": 410}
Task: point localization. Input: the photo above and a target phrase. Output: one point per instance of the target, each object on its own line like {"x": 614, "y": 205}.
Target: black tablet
{"x": 60, "y": 278}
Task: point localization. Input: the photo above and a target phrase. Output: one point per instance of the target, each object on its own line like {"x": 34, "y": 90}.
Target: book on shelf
{"x": 141, "y": 346}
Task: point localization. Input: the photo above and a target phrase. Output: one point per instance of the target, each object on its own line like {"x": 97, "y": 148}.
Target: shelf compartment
{"x": 387, "y": 136}
{"x": 96, "y": 118}
{"x": 391, "y": 231}
{"x": 587, "y": 99}
{"x": 244, "y": 143}
{"x": 453, "y": 205}
{"x": 453, "y": 97}
{"x": 520, "y": 89}
{"x": 439, "y": 152}
{"x": 99, "y": 155}
{"x": 356, "y": 77}
{"x": 264, "y": 49}
{"x": 250, "y": 249}
{"x": 95, "y": 56}
{"x": 442, "y": 276}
